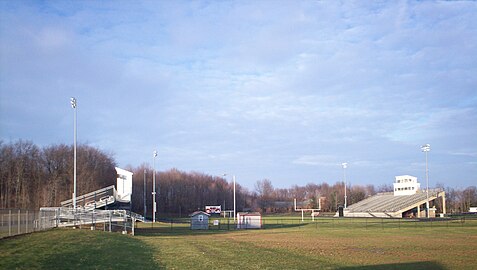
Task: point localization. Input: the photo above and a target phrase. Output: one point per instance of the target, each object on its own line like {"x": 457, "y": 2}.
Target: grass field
{"x": 324, "y": 244}
{"x": 75, "y": 249}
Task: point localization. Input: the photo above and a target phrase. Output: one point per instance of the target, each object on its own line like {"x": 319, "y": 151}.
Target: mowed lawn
{"x": 346, "y": 244}
{"x": 75, "y": 249}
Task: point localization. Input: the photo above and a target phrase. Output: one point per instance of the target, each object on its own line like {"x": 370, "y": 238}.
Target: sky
{"x": 278, "y": 90}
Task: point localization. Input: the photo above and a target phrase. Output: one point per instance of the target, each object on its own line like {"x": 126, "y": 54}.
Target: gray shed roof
{"x": 199, "y": 212}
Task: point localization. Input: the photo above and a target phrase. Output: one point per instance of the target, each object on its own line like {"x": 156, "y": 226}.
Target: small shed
{"x": 249, "y": 220}
{"x": 199, "y": 220}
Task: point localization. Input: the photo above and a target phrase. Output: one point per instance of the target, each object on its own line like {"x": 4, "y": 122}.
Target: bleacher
{"x": 389, "y": 205}
{"x": 95, "y": 203}
{"x": 94, "y": 200}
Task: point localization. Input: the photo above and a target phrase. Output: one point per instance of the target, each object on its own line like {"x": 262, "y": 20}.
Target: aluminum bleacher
{"x": 94, "y": 200}
{"x": 90, "y": 205}
{"x": 390, "y": 205}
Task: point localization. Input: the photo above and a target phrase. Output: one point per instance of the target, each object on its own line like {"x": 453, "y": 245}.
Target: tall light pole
{"x": 233, "y": 178}
{"x": 154, "y": 154}
{"x": 144, "y": 195}
{"x": 73, "y": 105}
{"x": 426, "y": 148}
{"x": 345, "y": 165}
{"x": 235, "y": 212}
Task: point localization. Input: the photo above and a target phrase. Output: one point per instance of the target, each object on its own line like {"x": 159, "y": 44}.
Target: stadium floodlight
{"x": 345, "y": 165}
{"x": 426, "y": 148}
{"x": 154, "y": 207}
{"x": 73, "y": 105}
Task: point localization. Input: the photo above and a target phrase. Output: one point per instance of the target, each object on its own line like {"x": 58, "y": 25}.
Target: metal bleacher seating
{"x": 389, "y": 203}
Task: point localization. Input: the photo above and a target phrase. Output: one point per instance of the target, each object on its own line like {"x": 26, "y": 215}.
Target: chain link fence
{"x": 106, "y": 220}
{"x": 182, "y": 225}
{"x": 18, "y": 221}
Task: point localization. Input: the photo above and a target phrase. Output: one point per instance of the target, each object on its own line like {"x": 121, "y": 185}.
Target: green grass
{"x": 75, "y": 249}
{"x": 287, "y": 244}
{"x": 327, "y": 243}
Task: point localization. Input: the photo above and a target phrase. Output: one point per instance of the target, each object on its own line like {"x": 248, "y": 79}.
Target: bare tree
{"x": 31, "y": 177}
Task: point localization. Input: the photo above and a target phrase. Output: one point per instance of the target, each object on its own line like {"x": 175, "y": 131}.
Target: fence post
{"x": 19, "y": 220}
{"x": 26, "y": 221}
{"x": 34, "y": 221}
{"x": 133, "y": 220}
{"x": 10, "y": 222}
{"x": 125, "y": 222}
{"x": 93, "y": 226}
{"x": 40, "y": 221}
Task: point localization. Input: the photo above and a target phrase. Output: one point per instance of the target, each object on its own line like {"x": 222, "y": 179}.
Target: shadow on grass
{"x": 400, "y": 266}
{"x": 182, "y": 230}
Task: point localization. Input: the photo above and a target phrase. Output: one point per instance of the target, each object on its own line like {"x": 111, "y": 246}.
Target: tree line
{"x": 33, "y": 177}
{"x": 182, "y": 193}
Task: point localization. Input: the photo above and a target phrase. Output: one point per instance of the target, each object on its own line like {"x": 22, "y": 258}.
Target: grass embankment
{"x": 75, "y": 249}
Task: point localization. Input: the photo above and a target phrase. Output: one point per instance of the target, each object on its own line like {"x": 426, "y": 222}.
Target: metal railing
{"x": 95, "y": 199}
{"x": 21, "y": 221}
{"x": 107, "y": 220}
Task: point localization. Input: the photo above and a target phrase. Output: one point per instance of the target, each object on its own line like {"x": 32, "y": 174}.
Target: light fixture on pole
{"x": 154, "y": 209}
{"x": 345, "y": 165}
{"x": 73, "y": 105}
{"x": 426, "y": 148}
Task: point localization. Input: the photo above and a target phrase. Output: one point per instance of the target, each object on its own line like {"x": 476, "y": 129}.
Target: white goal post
{"x": 303, "y": 210}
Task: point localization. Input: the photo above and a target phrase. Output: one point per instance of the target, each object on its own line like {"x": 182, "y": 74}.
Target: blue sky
{"x": 283, "y": 90}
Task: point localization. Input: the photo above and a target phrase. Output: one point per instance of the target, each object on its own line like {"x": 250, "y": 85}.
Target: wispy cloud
{"x": 259, "y": 88}
{"x": 316, "y": 160}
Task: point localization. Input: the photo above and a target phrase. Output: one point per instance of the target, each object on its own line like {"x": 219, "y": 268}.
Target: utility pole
{"x": 426, "y": 148}
{"x": 235, "y": 212}
{"x": 154, "y": 207}
{"x": 144, "y": 195}
{"x": 345, "y": 165}
{"x": 73, "y": 105}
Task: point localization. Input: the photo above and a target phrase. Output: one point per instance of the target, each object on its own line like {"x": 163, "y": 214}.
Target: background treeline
{"x": 33, "y": 177}
{"x": 270, "y": 199}
{"x": 182, "y": 193}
